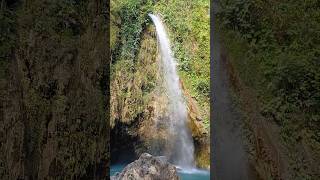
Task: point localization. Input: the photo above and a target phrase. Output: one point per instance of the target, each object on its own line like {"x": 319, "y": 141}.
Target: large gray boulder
{"x": 148, "y": 167}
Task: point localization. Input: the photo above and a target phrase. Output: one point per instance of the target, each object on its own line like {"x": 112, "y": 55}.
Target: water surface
{"x": 192, "y": 174}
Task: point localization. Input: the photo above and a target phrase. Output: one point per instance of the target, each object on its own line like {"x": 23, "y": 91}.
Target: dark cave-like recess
{"x": 123, "y": 144}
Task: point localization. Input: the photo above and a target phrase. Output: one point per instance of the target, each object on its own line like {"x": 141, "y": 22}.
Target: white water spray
{"x": 183, "y": 154}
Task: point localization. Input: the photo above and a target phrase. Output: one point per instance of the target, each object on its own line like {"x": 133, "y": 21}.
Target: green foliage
{"x": 135, "y": 70}
{"x": 132, "y": 18}
{"x": 189, "y": 34}
{"x": 275, "y": 47}
{"x": 189, "y": 28}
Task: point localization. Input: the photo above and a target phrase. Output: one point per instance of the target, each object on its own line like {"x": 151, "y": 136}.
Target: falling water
{"x": 183, "y": 148}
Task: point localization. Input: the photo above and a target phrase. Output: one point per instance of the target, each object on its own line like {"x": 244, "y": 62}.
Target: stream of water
{"x": 183, "y": 154}
{"x": 183, "y": 151}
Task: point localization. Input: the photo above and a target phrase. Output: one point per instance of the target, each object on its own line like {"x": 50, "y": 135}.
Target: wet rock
{"x": 148, "y": 167}
{"x": 200, "y": 134}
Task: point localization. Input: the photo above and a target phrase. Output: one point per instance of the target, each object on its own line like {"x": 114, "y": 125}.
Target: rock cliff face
{"x": 201, "y": 136}
{"x": 54, "y": 90}
{"x": 139, "y": 107}
{"x": 148, "y": 167}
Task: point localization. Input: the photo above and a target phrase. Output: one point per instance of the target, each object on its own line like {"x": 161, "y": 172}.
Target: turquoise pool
{"x": 192, "y": 174}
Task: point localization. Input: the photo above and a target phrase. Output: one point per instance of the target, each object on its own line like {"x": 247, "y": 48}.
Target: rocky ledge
{"x": 148, "y": 167}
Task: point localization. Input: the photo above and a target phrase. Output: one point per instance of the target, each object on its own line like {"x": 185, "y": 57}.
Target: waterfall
{"x": 183, "y": 148}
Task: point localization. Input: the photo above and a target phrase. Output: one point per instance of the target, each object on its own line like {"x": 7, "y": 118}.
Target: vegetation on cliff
{"x": 189, "y": 33}
{"x": 274, "y": 46}
{"x": 54, "y": 67}
{"x": 137, "y": 96}
{"x": 189, "y": 30}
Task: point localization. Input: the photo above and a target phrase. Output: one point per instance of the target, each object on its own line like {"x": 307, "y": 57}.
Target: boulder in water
{"x": 148, "y": 167}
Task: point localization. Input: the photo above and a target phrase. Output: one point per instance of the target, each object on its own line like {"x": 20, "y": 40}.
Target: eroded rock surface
{"x": 148, "y": 167}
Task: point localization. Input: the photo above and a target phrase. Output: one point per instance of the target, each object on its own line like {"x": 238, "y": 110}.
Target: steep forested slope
{"x": 54, "y": 89}
{"x": 136, "y": 94}
{"x": 273, "y": 48}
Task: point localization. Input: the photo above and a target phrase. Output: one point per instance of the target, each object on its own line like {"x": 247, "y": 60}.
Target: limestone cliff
{"x": 139, "y": 107}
